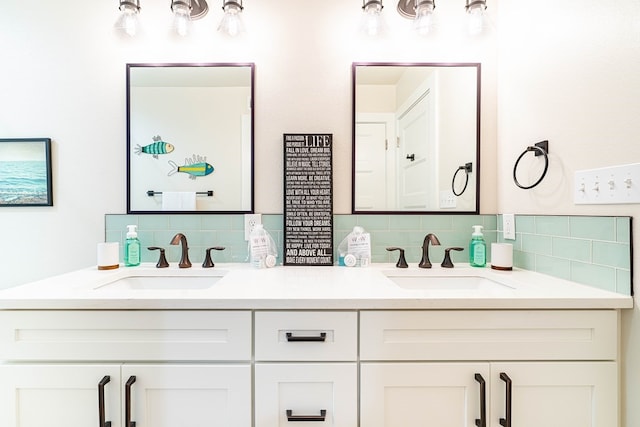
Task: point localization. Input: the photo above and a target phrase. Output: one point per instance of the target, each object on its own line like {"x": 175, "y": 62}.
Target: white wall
{"x": 569, "y": 72}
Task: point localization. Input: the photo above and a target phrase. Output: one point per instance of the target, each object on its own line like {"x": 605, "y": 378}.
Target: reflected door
{"x": 417, "y": 165}
{"x": 371, "y": 166}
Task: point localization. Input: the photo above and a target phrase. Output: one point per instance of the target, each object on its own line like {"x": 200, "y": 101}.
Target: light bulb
{"x": 372, "y": 22}
{"x": 423, "y": 22}
{"x": 231, "y": 23}
{"x": 181, "y": 17}
{"x": 476, "y": 18}
{"x": 128, "y": 20}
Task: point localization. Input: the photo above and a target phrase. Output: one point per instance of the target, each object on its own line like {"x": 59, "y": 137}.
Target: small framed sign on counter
{"x": 308, "y": 199}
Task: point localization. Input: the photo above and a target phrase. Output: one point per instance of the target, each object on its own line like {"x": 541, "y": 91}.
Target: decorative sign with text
{"x": 308, "y": 200}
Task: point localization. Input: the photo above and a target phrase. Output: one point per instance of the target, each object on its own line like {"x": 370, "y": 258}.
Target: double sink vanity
{"x": 379, "y": 346}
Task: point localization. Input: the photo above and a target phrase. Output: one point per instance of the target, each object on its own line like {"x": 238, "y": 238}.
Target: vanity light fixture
{"x": 231, "y": 23}
{"x": 476, "y": 16}
{"x": 181, "y": 10}
{"x": 128, "y": 20}
{"x": 423, "y": 21}
{"x": 421, "y": 12}
{"x": 372, "y": 22}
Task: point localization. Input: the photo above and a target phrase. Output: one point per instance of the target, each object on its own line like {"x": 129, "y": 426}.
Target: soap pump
{"x": 132, "y": 247}
{"x": 477, "y": 248}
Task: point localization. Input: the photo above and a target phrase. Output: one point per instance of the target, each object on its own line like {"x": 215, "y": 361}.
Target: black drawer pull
{"x": 321, "y": 338}
{"x": 506, "y": 422}
{"x": 127, "y": 402}
{"x": 482, "y": 421}
{"x": 321, "y": 417}
{"x": 101, "y": 409}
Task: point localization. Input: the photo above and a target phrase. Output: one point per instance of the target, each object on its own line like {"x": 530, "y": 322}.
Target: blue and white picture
{"x": 25, "y": 172}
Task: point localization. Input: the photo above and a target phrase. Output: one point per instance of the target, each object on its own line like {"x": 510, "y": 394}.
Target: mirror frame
{"x": 129, "y": 66}
{"x": 476, "y": 167}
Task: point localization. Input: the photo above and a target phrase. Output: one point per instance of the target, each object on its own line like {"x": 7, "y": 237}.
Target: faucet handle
{"x": 402, "y": 262}
{"x": 208, "y": 262}
{"x": 446, "y": 262}
{"x": 162, "y": 261}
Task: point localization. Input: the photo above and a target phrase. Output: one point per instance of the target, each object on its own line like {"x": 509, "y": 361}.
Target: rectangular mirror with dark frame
{"x": 416, "y": 138}
{"x": 190, "y": 136}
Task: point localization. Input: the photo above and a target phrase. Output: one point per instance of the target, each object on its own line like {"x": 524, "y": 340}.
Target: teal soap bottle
{"x": 132, "y": 247}
{"x": 477, "y": 248}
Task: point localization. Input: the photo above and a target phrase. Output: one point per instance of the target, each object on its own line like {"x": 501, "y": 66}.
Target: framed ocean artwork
{"x": 25, "y": 172}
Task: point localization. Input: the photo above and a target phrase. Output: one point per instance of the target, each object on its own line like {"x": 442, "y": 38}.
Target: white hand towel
{"x": 178, "y": 201}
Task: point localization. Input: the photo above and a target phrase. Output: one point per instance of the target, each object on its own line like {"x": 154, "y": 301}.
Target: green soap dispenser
{"x": 477, "y": 248}
{"x": 132, "y": 248}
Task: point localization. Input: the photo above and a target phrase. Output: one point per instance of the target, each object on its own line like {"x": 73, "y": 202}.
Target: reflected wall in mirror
{"x": 416, "y": 138}
{"x": 190, "y": 138}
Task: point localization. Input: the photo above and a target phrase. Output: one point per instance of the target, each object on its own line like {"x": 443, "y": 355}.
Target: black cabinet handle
{"x": 482, "y": 421}
{"x": 506, "y": 422}
{"x": 321, "y": 417}
{"x": 127, "y": 402}
{"x": 321, "y": 338}
{"x": 101, "y": 412}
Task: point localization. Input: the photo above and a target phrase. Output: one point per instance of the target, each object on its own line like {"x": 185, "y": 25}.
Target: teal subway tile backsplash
{"x": 552, "y": 225}
{"x": 594, "y": 275}
{"x": 554, "y": 266}
{"x": 572, "y": 249}
{"x": 589, "y": 227}
{"x": 623, "y": 230}
{"x": 611, "y": 254}
{"x": 592, "y": 250}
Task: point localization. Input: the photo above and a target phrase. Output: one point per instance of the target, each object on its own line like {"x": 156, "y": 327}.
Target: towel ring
{"x": 467, "y": 168}
{"x": 541, "y": 149}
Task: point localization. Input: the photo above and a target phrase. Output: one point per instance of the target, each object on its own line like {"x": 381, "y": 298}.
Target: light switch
{"x": 610, "y": 185}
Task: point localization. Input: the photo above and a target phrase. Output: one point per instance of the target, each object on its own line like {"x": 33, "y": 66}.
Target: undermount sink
{"x": 177, "y": 282}
{"x": 447, "y": 283}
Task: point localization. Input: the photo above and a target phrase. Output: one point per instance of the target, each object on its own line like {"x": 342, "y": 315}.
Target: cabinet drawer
{"x": 125, "y": 335}
{"x": 489, "y": 335}
{"x": 293, "y": 393}
{"x": 306, "y": 336}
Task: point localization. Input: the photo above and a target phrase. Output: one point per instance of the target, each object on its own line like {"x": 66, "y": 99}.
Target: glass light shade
{"x": 476, "y": 18}
{"x": 128, "y": 20}
{"x": 372, "y": 22}
{"x": 181, "y": 17}
{"x": 423, "y": 23}
{"x": 231, "y": 23}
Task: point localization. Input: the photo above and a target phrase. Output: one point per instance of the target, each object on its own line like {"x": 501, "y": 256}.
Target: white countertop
{"x": 294, "y": 287}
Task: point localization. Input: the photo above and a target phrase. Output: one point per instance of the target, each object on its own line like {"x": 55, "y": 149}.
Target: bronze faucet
{"x": 429, "y": 238}
{"x": 184, "y": 259}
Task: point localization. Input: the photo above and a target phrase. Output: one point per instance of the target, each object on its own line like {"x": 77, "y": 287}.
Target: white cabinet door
{"x": 569, "y": 394}
{"x": 187, "y": 395}
{"x": 423, "y": 394}
{"x": 320, "y": 394}
{"x": 58, "y": 395}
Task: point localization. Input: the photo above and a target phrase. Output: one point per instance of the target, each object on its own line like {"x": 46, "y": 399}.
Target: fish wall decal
{"x": 195, "y": 167}
{"x": 158, "y": 146}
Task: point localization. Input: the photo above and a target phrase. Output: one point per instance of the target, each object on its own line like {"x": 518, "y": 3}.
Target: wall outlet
{"x": 509, "y": 226}
{"x": 250, "y": 222}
